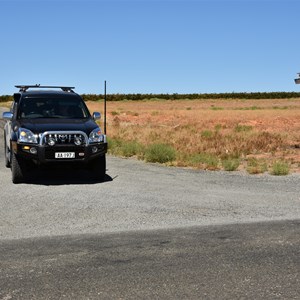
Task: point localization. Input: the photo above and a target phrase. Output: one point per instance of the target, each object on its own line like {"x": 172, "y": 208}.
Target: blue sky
{"x": 151, "y": 46}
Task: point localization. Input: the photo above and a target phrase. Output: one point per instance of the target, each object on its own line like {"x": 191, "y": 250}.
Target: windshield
{"x": 64, "y": 108}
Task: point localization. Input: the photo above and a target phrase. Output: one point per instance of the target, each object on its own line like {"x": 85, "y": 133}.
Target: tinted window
{"x": 65, "y": 108}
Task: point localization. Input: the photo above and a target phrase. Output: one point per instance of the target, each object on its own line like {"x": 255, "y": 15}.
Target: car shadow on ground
{"x": 66, "y": 176}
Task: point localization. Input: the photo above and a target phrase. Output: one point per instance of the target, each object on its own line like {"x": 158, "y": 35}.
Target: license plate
{"x": 64, "y": 154}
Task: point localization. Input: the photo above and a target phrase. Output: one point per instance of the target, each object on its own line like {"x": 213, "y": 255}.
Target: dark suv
{"x": 50, "y": 126}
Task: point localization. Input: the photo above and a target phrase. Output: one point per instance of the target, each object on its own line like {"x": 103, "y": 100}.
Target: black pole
{"x": 105, "y": 107}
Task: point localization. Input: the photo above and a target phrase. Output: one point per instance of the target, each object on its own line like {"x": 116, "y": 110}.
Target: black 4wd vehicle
{"x": 52, "y": 127}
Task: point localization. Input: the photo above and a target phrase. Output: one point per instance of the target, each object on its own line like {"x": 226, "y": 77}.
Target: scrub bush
{"x": 160, "y": 153}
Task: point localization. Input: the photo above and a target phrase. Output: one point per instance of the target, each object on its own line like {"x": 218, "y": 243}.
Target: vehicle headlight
{"x": 26, "y": 136}
{"x": 96, "y": 136}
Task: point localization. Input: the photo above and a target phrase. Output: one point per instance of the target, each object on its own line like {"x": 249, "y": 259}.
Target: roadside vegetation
{"x": 211, "y": 133}
{"x": 189, "y": 133}
{"x": 280, "y": 168}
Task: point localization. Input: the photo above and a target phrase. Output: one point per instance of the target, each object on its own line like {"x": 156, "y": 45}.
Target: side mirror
{"x": 96, "y": 116}
{"x": 7, "y": 116}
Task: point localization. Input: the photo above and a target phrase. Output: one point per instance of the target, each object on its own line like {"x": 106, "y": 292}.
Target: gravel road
{"x": 140, "y": 196}
{"x": 149, "y": 232}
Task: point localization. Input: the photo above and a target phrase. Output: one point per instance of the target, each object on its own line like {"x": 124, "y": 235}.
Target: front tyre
{"x": 6, "y": 154}
{"x": 18, "y": 169}
{"x": 98, "y": 167}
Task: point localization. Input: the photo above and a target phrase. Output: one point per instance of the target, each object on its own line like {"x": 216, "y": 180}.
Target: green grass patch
{"x": 114, "y": 145}
{"x": 207, "y": 134}
{"x": 115, "y": 113}
{"x": 231, "y": 164}
{"x": 131, "y": 148}
{"x": 159, "y": 152}
{"x": 242, "y": 128}
{"x": 205, "y": 161}
{"x": 121, "y": 147}
{"x": 280, "y": 168}
{"x": 155, "y": 113}
{"x": 218, "y": 127}
{"x": 280, "y": 107}
{"x": 249, "y": 108}
{"x": 216, "y": 108}
{"x": 132, "y": 113}
{"x": 256, "y": 166}
{"x": 254, "y": 108}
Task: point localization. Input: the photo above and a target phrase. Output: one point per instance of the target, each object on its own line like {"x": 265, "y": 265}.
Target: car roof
{"x": 47, "y": 93}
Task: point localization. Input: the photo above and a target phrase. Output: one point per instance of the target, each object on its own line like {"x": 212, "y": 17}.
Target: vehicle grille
{"x": 63, "y": 138}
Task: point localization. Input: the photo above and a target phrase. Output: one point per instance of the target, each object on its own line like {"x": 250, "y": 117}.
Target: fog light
{"x": 51, "y": 141}
{"x": 77, "y": 140}
{"x": 33, "y": 150}
{"x": 26, "y": 148}
{"x": 94, "y": 149}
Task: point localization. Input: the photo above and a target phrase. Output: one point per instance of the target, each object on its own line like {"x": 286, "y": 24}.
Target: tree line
{"x": 137, "y": 97}
{"x": 175, "y": 96}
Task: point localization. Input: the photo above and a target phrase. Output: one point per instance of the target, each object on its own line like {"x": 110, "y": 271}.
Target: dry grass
{"x": 223, "y": 129}
{"x": 206, "y": 133}
{"x": 6, "y": 104}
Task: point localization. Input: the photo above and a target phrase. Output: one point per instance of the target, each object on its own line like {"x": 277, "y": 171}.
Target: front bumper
{"x": 46, "y": 154}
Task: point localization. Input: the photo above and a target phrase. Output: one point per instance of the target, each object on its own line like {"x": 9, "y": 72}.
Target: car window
{"x": 72, "y": 108}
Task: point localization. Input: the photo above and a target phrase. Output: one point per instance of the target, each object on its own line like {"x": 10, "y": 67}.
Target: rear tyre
{"x": 18, "y": 169}
{"x": 99, "y": 167}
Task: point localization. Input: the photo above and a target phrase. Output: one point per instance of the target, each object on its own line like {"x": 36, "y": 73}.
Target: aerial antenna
{"x": 105, "y": 107}
{"x": 297, "y": 80}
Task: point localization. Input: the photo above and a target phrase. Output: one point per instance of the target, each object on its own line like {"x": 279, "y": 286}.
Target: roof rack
{"x": 24, "y": 88}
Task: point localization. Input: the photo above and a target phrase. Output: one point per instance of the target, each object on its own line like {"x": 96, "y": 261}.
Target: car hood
{"x": 42, "y": 125}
